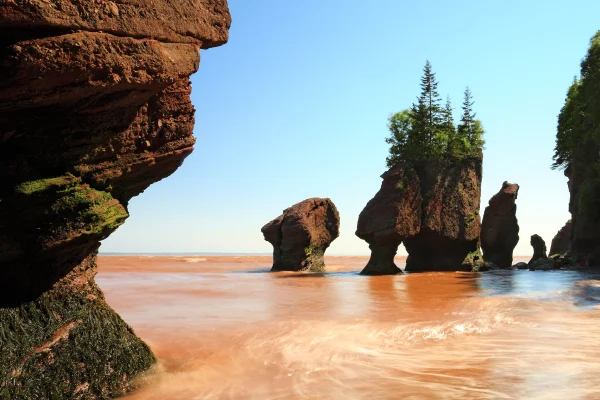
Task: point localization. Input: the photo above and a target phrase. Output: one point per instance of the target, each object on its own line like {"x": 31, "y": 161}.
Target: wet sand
{"x": 223, "y": 327}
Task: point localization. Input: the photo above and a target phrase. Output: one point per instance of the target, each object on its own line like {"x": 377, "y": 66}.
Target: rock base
{"x": 69, "y": 344}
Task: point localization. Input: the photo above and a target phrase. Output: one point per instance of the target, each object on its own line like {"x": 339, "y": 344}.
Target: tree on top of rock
{"x": 470, "y": 130}
{"x": 427, "y": 132}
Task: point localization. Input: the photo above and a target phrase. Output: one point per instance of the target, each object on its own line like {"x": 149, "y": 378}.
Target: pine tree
{"x": 427, "y": 113}
{"x": 466, "y": 121}
{"x": 470, "y": 132}
{"x": 431, "y": 98}
{"x": 449, "y": 143}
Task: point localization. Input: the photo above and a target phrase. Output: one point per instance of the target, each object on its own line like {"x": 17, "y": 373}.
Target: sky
{"x": 296, "y": 106}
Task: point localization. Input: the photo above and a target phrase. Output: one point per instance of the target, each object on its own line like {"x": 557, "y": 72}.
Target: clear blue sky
{"x": 296, "y": 105}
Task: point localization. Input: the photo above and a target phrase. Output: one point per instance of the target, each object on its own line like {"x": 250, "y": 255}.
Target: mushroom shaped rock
{"x": 393, "y": 215}
{"x": 539, "y": 248}
{"x": 301, "y": 235}
{"x": 561, "y": 243}
{"x": 433, "y": 208}
{"x": 500, "y": 228}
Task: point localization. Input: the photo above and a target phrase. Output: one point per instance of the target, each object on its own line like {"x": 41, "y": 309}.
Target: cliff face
{"x": 561, "y": 243}
{"x": 500, "y": 228}
{"x": 433, "y": 208}
{"x": 585, "y": 220}
{"x": 94, "y": 108}
{"x": 301, "y": 235}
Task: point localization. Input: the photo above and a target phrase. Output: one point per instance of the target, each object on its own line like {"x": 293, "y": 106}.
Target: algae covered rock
{"x": 301, "y": 235}
{"x": 499, "y": 228}
{"x": 68, "y": 341}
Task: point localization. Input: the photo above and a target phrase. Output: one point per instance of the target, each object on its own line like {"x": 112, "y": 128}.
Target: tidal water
{"x": 226, "y": 328}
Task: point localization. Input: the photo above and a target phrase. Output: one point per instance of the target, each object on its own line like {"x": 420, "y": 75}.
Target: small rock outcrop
{"x": 539, "y": 249}
{"x": 94, "y": 108}
{"x": 301, "y": 235}
{"x": 561, "y": 243}
{"x": 431, "y": 207}
{"x": 500, "y": 228}
{"x": 520, "y": 265}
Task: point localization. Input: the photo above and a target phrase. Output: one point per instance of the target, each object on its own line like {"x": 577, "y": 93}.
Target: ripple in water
{"x": 222, "y": 334}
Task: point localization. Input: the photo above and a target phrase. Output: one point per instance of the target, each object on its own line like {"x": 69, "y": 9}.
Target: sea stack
{"x": 561, "y": 243}
{"x": 433, "y": 208}
{"x": 500, "y": 228}
{"x": 95, "y": 107}
{"x": 539, "y": 249}
{"x": 301, "y": 235}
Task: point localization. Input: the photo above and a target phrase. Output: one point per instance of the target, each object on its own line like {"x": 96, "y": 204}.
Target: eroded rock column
{"x": 301, "y": 235}
{"x": 389, "y": 218}
{"x": 500, "y": 228}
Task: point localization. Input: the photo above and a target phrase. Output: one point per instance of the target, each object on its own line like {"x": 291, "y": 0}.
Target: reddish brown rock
{"x": 301, "y": 235}
{"x": 433, "y": 208}
{"x": 500, "y": 228}
{"x": 539, "y": 249}
{"x": 205, "y": 22}
{"x": 561, "y": 243}
{"x": 94, "y": 107}
{"x": 393, "y": 215}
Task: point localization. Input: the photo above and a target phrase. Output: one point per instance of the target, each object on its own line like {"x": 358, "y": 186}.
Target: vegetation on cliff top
{"x": 578, "y": 132}
{"x": 427, "y": 130}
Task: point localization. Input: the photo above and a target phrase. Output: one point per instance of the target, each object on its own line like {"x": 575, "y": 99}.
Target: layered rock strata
{"x": 301, "y": 235}
{"x": 94, "y": 107}
{"x": 500, "y": 228}
{"x": 433, "y": 208}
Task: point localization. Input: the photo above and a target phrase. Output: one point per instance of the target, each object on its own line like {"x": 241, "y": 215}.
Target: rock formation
{"x": 94, "y": 108}
{"x": 433, "y": 208}
{"x": 561, "y": 243}
{"x": 499, "y": 228}
{"x": 301, "y": 235}
{"x": 539, "y": 248}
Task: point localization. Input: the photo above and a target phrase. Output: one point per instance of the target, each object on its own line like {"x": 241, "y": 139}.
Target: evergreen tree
{"x": 427, "y": 113}
{"x": 427, "y": 132}
{"x": 470, "y": 131}
{"x": 451, "y": 141}
{"x": 465, "y": 128}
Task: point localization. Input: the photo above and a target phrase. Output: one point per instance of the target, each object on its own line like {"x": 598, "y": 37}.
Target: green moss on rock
{"x": 41, "y": 185}
{"x": 72, "y": 209}
{"x": 69, "y": 345}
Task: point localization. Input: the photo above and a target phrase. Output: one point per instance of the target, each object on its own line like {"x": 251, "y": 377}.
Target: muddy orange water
{"x": 226, "y": 328}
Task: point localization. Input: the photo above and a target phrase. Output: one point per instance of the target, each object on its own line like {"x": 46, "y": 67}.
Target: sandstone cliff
{"x": 94, "y": 108}
{"x": 301, "y": 235}
{"x": 433, "y": 208}
{"x": 500, "y": 228}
